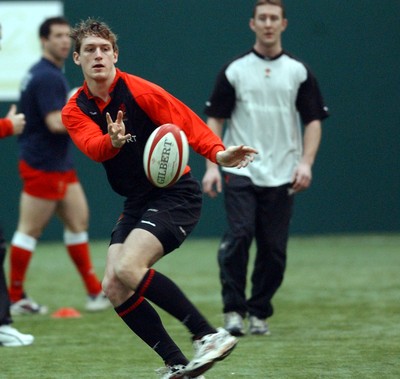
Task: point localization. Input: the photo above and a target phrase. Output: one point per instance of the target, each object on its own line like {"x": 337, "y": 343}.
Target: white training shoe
{"x": 233, "y": 323}
{"x": 258, "y": 326}
{"x": 97, "y": 303}
{"x": 209, "y": 349}
{"x": 171, "y": 372}
{"x": 11, "y": 337}
{"x": 27, "y": 306}
{"x": 175, "y": 372}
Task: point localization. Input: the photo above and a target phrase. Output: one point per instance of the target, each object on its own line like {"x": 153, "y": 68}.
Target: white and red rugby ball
{"x": 166, "y": 155}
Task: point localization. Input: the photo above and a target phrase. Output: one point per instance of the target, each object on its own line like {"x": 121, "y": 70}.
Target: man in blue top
{"x": 50, "y": 183}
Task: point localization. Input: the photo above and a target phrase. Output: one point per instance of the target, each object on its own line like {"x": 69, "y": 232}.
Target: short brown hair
{"x": 93, "y": 27}
{"x": 278, "y": 3}
{"x": 45, "y": 27}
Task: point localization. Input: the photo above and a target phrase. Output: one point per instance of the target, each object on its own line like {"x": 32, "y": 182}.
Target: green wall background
{"x": 352, "y": 47}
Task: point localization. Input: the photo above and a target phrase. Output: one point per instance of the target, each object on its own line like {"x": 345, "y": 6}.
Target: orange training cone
{"x": 66, "y": 313}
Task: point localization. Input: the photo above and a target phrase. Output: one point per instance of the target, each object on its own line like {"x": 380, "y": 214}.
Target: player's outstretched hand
{"x": 236, "y": 156}
{"x": 116, "y": 130}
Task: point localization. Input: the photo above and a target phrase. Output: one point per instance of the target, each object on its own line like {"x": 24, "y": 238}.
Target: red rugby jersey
{"x": 146, "y": 106}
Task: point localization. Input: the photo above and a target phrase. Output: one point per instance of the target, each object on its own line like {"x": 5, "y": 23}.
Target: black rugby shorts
{"x": 169, "y": 214}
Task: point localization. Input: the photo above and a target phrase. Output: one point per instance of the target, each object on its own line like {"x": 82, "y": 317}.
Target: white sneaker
{"x": 258, "y": 326}
{"x": 97, "y": 303}
{"x": 233, "y": 323}
{"x": 11, "y": 337}
{"x": 175, "y": 372}
{"x": 211, "y": 348}
{"x": 171, "y": 372}
{"x": 27, "y": 306}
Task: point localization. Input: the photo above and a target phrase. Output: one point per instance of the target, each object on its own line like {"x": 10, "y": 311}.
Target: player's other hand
{"x": 17, "y": 119}
{"x": 236, "y": 156}
{"x": 302, "y": 177}
{"x": 212, "y": 181}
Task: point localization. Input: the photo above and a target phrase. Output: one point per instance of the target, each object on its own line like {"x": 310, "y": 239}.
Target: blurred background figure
{"x": 9, "y": 336}
{"x": 263, "y": 94}
{"x": 50, "y": 182}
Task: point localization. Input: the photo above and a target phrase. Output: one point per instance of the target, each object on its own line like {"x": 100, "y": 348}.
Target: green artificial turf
{"x": 337, "y": 315}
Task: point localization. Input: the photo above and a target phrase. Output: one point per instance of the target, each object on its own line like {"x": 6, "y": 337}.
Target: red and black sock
{"x": 145, "y": 322}
{"x": 167, "y": 295}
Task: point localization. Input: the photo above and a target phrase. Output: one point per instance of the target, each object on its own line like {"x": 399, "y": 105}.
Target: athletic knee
{"x": 77, "y": 226}
{"x": 130, "y": 275}
{"x": 33, "y": 231}
{"x": 107, "y": 287}
{"x": 113, "y": 289}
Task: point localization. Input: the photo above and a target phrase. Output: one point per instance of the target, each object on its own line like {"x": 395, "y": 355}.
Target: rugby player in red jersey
{"x": 109, "y": 119}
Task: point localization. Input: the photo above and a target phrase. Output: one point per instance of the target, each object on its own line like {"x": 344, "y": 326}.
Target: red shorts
{"x": 51, "y": 185}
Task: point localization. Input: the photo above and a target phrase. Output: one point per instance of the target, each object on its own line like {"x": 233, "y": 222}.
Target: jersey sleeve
{"x": 86, "y": 134}
{"x": 162, "y": 108}
{"x": 309, "y": 102}
{"x": 223, "y": 98}
{"x": 6, "y": 128}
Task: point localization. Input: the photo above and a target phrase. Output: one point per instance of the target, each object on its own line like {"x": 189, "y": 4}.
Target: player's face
{"x": 97, "y": 58}
{"x": 58, "y": 43}
{"x": 268, "y": 25}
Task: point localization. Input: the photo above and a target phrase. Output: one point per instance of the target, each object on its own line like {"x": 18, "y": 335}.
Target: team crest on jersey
{"x": 122, "y": 108}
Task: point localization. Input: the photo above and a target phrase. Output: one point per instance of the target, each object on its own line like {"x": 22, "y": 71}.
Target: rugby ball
{"x": 166, "y": 155}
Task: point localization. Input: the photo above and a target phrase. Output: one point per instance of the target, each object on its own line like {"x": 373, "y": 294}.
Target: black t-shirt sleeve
{"x": 223, "y": 98}
{"x": 309, "y": 102}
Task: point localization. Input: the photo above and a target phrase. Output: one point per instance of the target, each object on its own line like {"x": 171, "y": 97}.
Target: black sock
{"x": 145, "y": 322}
{"x": 166, "y": 294}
